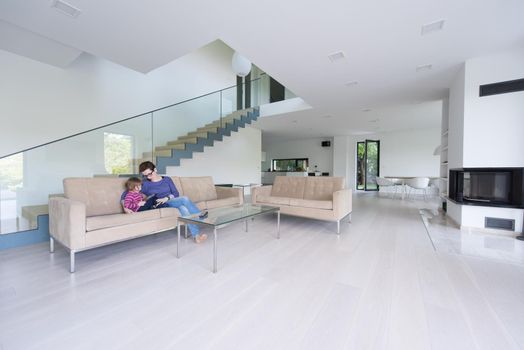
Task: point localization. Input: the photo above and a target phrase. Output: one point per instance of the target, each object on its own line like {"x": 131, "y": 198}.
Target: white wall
{"x": 341, "y": 152}
{"x": 486, "y": 131}
{"x": 41, "y": 103}
{"x": 302, "y": 148}
{"x": 235, "y": 160}
{"x": 456, "y": 121}
{"x": 402, "y": 153}
{"x": 474, "y": 216}
{"x": 45, "y": 167}
{"x": 494, "y": 125}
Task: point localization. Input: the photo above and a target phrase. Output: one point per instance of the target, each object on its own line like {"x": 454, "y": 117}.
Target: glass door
{"x": 368, "y": 164}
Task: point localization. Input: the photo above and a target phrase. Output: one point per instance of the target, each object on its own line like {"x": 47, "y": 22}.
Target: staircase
{"x": 184, "y": 146}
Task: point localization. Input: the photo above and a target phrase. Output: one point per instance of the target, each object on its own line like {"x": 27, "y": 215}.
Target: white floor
{"x": 380, "y": 285}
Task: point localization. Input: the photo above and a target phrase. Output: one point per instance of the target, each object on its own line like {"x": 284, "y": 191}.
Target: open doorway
{"x": 368, "y": 165}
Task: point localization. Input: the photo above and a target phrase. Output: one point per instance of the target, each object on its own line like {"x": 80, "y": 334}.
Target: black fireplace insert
{"x": 496, "y": 187}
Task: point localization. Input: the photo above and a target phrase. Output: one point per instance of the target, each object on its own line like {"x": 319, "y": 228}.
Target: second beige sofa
{"x": 90, "y": 214}
{"x": 315, "y": 197}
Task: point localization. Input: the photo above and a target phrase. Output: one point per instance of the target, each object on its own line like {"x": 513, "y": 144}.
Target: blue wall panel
{"x": 18, "y": 239}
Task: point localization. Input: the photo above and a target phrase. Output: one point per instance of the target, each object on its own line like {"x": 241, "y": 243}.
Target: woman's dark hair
{"x": 146, "y": 165}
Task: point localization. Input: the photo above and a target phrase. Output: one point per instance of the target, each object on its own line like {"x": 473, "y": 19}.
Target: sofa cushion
{"x": 224, "y": 202}
{"x": 273, "y": 200}
{"x": 101, "y": 195}
{"x": 311, "y": 203}
{"x": 201, "y": 205}
{"x": 322, "y": 187}
{"x": 167, "y": 212}
{"x": 105, "y": 221}
{"x": 199, "y": 189}
{"x": 178, "y": 184}
{"x": 288, "y": 186}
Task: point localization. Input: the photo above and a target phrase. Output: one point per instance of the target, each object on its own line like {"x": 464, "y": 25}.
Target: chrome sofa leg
{"x": 349, "y": 218}
{"x": 338, "y": 227}
{"x": 51, "y": 245}
{"x": 72, "y": 261}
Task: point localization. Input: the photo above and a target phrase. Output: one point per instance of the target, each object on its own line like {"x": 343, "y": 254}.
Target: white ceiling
{"x": 309, "y": 123}
{"x": 291, "y": 40}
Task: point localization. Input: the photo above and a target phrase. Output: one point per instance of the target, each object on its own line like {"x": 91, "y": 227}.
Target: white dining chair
{"x": 418, "y": 183}
{"x": 383, "y": 182}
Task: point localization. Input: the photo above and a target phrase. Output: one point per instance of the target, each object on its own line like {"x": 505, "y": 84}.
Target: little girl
{"x": 135, "y": 200}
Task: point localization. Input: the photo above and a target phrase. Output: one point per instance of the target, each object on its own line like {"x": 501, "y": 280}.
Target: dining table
{"x": 401, "y": 180}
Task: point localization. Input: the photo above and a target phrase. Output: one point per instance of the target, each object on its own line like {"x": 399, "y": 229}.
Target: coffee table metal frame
{"x": 244, "y": 186}
{"x": 193, "y": 219}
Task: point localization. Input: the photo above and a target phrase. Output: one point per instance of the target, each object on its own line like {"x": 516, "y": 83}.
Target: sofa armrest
{"x": 227, "y": 192}
{"x": 263, "y": 190}
{"x": 342, "y": 203}
{"x": 67, "y": 222}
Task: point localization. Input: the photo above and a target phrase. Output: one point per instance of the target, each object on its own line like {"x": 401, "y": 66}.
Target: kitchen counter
{"x": 269, "y": 176}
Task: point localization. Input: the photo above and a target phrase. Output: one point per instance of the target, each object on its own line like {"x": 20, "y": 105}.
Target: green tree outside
{"x": 118, "y": 153}
{"x": 12, "y": 172}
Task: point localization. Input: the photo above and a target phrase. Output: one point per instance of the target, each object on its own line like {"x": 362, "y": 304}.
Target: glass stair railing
{"x": 164, "y": 136}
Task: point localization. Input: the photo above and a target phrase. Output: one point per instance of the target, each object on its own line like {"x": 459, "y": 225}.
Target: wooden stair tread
{"x": 193, "y": 136}
{"x": 178, "y": 142}
{"x": 180, "y": 146}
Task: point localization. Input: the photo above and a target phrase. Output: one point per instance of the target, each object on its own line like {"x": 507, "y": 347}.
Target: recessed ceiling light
{"x": 351, "y": 83}
{"x": 424, "y": 67}
{"x": 66, "y": 8}
{"x": 336, "y": 56}
{"x": 432, "y": 27}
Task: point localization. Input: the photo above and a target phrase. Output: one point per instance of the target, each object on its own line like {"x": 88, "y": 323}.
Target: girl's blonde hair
{"x": 132, "y": 182}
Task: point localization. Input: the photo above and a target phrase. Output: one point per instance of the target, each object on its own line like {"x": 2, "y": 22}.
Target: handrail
{"x": 123, "y": 120}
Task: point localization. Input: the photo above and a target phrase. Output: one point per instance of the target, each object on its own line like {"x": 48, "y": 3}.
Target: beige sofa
{"x": 90, "y": 214}
{"x": 315, "y": 197}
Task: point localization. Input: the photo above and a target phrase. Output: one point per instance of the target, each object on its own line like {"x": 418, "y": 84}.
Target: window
{"x": 118, "y": 153}
{"x": 368, "y": 164}
{"x": 11, "y": 180}
{"x": 296, "y": 164}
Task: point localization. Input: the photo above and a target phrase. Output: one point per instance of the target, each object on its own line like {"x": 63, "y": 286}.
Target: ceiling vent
{"x": 336, "y": 56}
{"x": 351, "y": 83}
{"x": 66, "y": 8}
{"x": 432, "y": 27}
{"x": 424, "y": 67}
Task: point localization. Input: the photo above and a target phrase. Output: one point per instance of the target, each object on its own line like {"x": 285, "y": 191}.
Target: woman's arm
{"x": 172, "y": 187}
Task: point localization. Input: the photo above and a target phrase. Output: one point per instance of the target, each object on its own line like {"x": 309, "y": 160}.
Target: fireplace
{"x": 496, "y": 187}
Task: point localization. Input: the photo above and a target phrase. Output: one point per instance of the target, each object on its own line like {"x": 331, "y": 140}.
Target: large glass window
{"x": 11, "y": 181}
{"x": 295, "y": 164}
{"x": 368, "y": 164}
{"x": 118, "y": 153}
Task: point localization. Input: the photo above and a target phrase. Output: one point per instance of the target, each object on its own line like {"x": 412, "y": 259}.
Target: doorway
{"x": 368, "y": 165}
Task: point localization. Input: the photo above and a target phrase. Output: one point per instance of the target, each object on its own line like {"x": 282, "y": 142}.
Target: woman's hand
{"x": 162, "y": 200}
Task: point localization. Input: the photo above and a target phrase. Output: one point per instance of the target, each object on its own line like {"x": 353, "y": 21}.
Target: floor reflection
{"x": 447, "y": 237}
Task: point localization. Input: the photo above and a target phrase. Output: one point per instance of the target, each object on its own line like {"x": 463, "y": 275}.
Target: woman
{"x": 165, "y": 190}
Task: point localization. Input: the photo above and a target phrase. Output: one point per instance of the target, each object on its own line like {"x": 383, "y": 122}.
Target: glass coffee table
{"x": 221, "y": 217}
